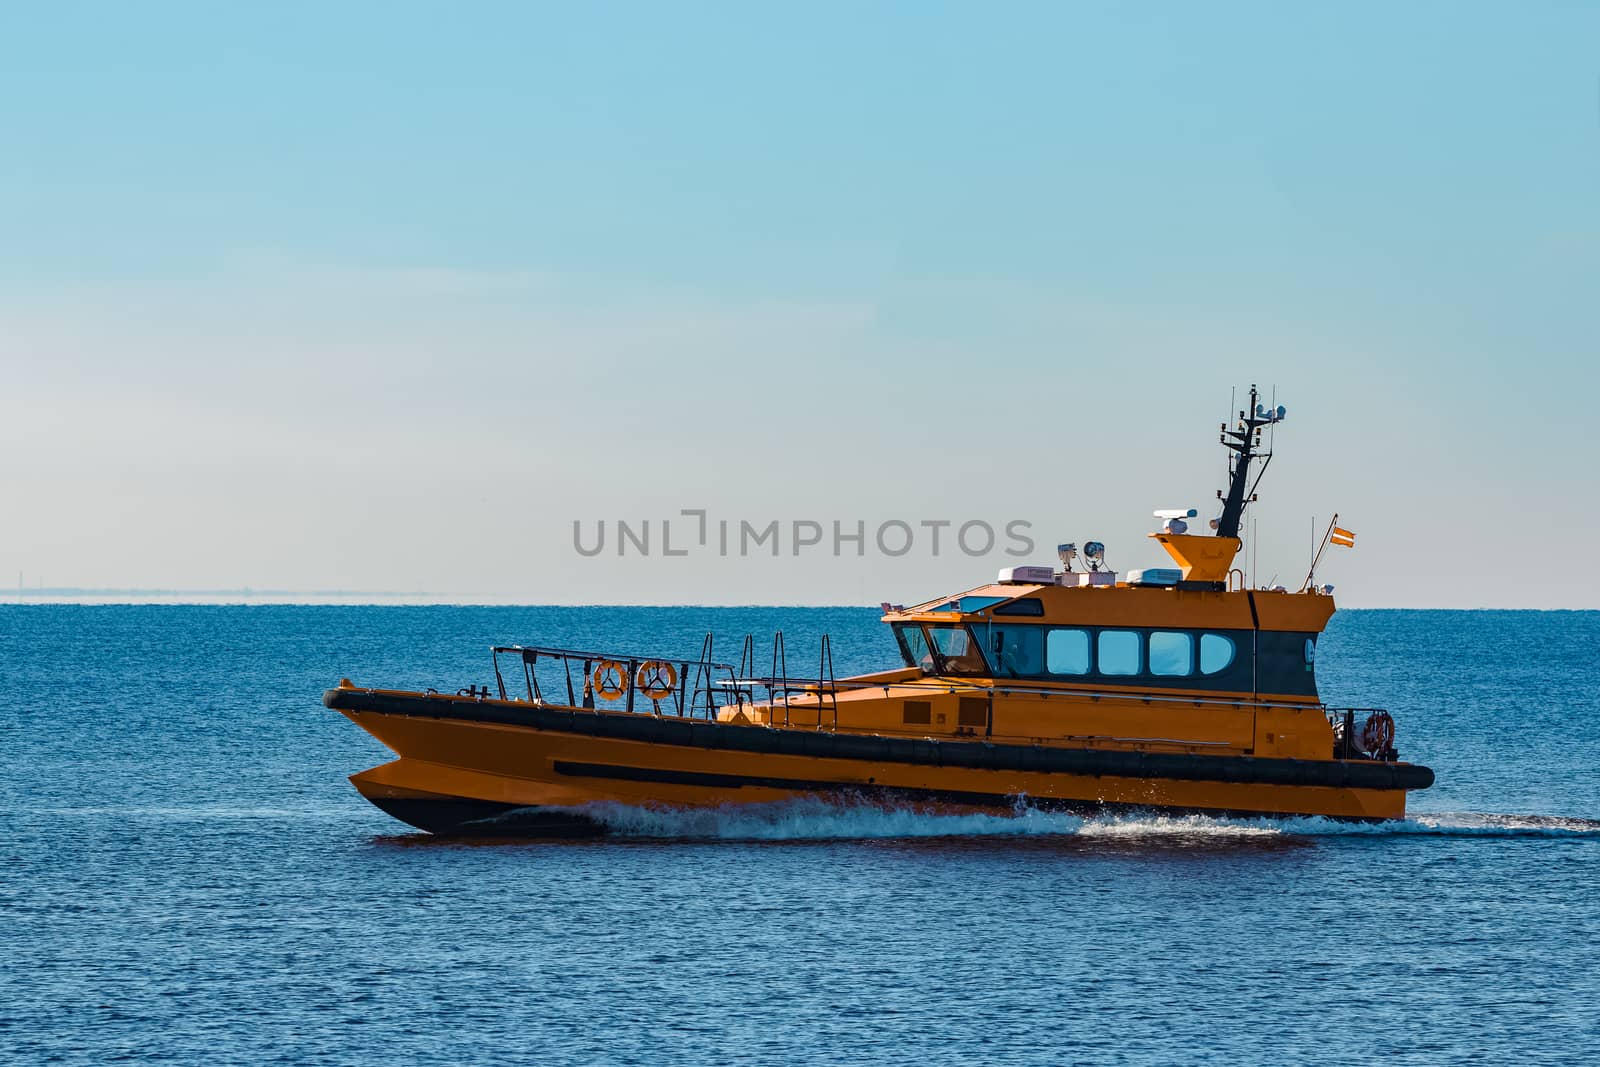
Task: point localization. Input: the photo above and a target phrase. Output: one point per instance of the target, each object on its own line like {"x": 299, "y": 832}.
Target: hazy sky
{"x": 386, "y": 296}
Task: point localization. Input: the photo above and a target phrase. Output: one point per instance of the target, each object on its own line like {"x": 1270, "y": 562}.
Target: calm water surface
{"x": 187, "y": 876}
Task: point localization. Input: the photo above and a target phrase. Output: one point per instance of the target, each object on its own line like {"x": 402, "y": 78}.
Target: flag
{"x": 1343, "y": 537}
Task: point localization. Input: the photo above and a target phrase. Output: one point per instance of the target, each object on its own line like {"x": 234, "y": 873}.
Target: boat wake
{"x": 1457, "y": 824}
{"x": 818, "y": 820}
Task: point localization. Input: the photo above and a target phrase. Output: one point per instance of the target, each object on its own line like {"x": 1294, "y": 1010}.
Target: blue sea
{"x": 187, "y": 876}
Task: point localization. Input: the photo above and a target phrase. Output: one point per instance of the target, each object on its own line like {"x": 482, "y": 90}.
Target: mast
{"x": 1245, "y": 444}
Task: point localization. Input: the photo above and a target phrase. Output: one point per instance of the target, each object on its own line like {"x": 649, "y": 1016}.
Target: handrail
{"x": 696, "y": 690}
{"x": 780, "y": 662}
{"x": 1186, "y": 742}
{"x": 1343, "y": 721}
{"x": 825, "y": 666}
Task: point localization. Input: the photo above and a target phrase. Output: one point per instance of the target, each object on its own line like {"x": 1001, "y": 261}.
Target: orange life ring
{"x": 610, "y": 679}
{"x": 1378, "y": 734}
{"x": 656, "y": 679}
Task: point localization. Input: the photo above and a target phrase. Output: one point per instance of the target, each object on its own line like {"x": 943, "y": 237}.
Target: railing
{"x": 671, "y": 685}
{"x": 1346, "y": 743}
{"x": 781, "y": 687}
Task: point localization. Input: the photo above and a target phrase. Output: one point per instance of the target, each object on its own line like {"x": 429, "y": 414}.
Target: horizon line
{"x": 83, "y": 596}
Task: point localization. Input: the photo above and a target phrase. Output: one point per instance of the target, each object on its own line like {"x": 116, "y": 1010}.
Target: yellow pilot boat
{"x": 1168, "y": 690}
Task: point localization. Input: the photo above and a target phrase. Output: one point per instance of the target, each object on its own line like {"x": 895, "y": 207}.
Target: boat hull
{"x": 476, "y": 766}
{"x": 455, "y": 816}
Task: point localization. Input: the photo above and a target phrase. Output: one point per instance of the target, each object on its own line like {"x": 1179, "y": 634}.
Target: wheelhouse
{"x": 1217, "y": 642}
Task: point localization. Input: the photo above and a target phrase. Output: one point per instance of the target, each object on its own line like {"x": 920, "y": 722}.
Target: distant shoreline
{"x": 249, "y": 591}
{"x": 247, "y": 595}
{"x": 66, "y": 597}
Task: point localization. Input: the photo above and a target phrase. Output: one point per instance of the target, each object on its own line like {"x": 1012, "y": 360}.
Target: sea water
{"x": 187, "y": 876}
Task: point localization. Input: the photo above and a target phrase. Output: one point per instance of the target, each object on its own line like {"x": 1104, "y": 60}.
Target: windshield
{"x": 914, "y": 646}
{"x": 957, "y": 650}
{"x": 953, "y": 650}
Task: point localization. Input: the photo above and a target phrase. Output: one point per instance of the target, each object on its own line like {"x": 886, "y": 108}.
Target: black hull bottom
{"x": 460, "y": 817}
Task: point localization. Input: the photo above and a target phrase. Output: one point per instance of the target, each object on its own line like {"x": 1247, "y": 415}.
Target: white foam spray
{"x": 820, "y": 820}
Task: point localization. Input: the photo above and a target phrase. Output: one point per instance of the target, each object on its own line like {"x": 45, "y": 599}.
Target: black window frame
{"x": 900, "y": 629}
{"x": 973, "y": 643}
{"x": 1239, "y": 676}
{"x": 941, "y": 664}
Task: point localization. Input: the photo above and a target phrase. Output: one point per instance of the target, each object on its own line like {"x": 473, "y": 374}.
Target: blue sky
{"x": 386, "y": 296}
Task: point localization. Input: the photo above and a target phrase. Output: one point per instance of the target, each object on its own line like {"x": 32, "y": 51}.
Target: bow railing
{"x": 683, "y": 686}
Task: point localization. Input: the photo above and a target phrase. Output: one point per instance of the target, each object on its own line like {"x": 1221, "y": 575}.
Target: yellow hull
{"x": 456, "y": 774}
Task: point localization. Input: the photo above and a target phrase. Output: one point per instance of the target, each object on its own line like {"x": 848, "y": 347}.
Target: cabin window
{"x": 1216, "y": 653}
{"x": 914, "y": 647}
{"x": 1119, "y": 652}
{"x": 1171, "y": 653}
{"x": 1027, "y": 606}
{"x": 956, "y": 651}
{"x": 1067, "y": 652}
{"x": 1017, "y": 651}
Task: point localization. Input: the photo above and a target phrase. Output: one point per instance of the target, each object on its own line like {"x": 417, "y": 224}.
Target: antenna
{"x": 1244, "y": 443}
